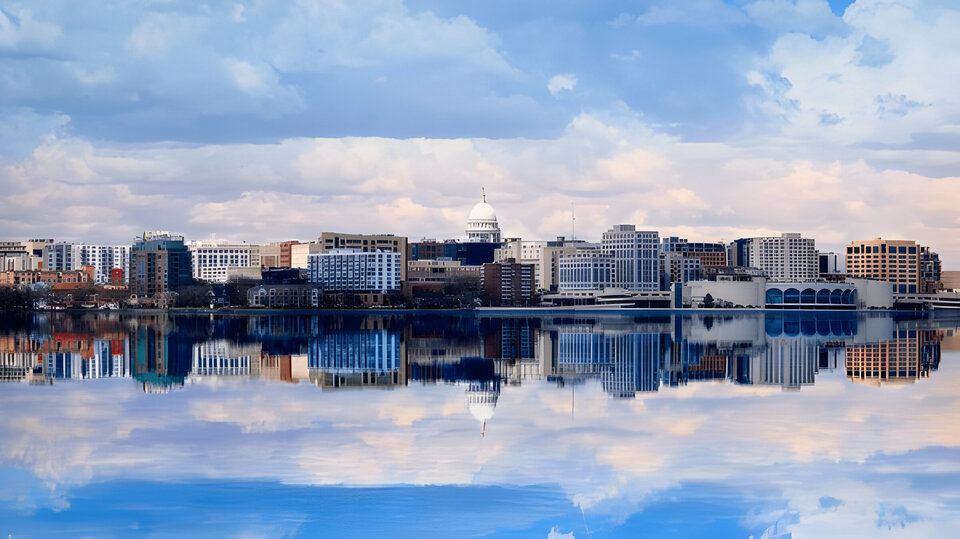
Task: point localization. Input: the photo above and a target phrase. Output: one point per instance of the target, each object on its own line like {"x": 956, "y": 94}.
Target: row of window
{"x": 823, "y": 296}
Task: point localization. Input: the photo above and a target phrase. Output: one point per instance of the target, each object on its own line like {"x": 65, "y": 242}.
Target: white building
{"x": 211, "y": 261}
{"x": 585, "y": 271}
{"x": 636, "y": 256}
{"x": 680, "y": 267}
{"x": 73, "y": 256}
{"x": 785, "y": 258}
{"x": 352, "y": 270}
{"x": 300, "y": 254}
{"x": 482, "y": 223}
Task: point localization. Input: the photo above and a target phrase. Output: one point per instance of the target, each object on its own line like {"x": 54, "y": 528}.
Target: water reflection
{"x": 627, "y": 355}
{"x": 806, "y": 423}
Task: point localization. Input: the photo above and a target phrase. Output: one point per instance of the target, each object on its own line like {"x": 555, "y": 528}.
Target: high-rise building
{"x": 680, "y": 267}
{"x": 894, "y": 261}
{"x": 930, "y": 271}
{"x": 482, "y": 225}
{"x": 787, "y": 257}
{"x": 353, "y": 270}
{"x": 636, "y": 257}
{"x": 212, "y": 261}
{"x": 300, "y": 254}
{"x": 159, "y": 262}
{"x": 73, "y": 256}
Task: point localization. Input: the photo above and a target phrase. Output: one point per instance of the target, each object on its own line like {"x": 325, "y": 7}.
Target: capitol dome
{"x": 482, "y": 211}
{"x": 482, "y": 223}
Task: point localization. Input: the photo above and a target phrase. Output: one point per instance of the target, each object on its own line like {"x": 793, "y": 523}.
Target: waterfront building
{"x": 366, "y": 243}
{"x": 950, "y": 280}
{"x": 354, "y": 270}
{"x": 433, "y": 276}
{"x": 830, "y": 266}
{"x": 20, "y": 262}
{"x": 897, "y": 360}
{"x": 738, "y": 253}
{"x": 636, "y": 256}
{"x": 585, "y": 271}
{"x": 212, "y": 261}
{"x": 894, "y": 261}
{"x": 284, "y": 295}
{"x": 66, "y": 256}
{"x": 57, "y": 280}
{"x": 788, "y": 257}
{"x": 341, "y": 359}
{"x": 159, "y": 263}
{"x": 507, "y": 284}
{"x": 482, "y": 225}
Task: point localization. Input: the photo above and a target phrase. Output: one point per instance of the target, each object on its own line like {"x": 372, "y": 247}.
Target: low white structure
{"x": 352, "y": 270}
{"x": 742, "y": 293}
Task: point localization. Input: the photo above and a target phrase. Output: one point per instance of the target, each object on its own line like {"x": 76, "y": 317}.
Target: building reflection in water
{"x": 626, "y": 354}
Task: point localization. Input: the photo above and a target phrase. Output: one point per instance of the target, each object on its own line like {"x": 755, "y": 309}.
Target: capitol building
{"x": 482, "y": 223}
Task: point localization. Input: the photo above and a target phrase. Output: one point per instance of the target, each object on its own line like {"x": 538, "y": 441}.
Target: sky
{"x": 253, "y": 121}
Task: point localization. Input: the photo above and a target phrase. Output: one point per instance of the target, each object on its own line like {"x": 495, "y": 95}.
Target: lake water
{"x": 447, "y": 425}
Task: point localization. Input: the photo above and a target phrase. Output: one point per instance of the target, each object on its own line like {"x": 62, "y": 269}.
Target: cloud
{"x": 692, "y": 13}
{"x": 561, "y": 83}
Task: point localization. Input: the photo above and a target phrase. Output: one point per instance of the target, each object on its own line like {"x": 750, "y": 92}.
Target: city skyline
{"x": 835, "y": 120}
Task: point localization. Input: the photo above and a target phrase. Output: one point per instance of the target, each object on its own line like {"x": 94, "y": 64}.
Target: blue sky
{"x": 258, "y": 122}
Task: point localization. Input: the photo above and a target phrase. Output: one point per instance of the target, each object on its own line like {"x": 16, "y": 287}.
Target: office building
{"x": 710, "y": 254}
{"x": 894, "y": 261}
{"x": 507, "y": 284}
{"x": 159, "y": 263}
{"x": 354, "y": 270}
{"x": 585, "y": 271}
{"x": 435, "y": 276}
{"x": 211, "y": 262}
{"x": 636, "y": 257}
{"x": 680, "y": 267}
{"x": 544, "y": 255}
{"x": 787, "y": 257}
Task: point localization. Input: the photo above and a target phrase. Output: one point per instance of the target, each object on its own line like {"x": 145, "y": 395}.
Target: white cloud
{"x": 561, "y": 83}
{"x": 19, "y": 31}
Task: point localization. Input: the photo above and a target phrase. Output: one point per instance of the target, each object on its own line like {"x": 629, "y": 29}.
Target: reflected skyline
{"x": 595, "y": 425}
{"x": 626, "y": 355}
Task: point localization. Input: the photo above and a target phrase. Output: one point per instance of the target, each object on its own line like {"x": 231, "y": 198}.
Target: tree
{"x": 708, "y": 301}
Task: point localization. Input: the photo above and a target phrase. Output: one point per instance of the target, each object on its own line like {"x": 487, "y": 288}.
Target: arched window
{"x": 808, "y": 295}
{"x": 836, "y": 297}
{"x": 791, "y": 295}
{"x": 823, "y": 296}
{"x": 847, "y": 297}
{"x": 808, "y": 327}
{"x": 774, "y": 297}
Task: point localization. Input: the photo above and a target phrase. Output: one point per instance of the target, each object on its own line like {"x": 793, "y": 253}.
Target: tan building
{"x": 58, "y": 280}
{"x": 367, "y": 243}
{"x": 433, "y": 276}
{"x": 893, "y": 261}
{"x": 905, "y": 358}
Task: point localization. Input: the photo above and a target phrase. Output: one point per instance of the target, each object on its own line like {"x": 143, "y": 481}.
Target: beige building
{"x": 893, "y": 261}
{"x": 367, "y": 243}
{"x": 300, "y": 254}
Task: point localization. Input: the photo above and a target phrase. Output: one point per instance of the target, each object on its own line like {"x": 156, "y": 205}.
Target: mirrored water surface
{"x": 781, "y": 424}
